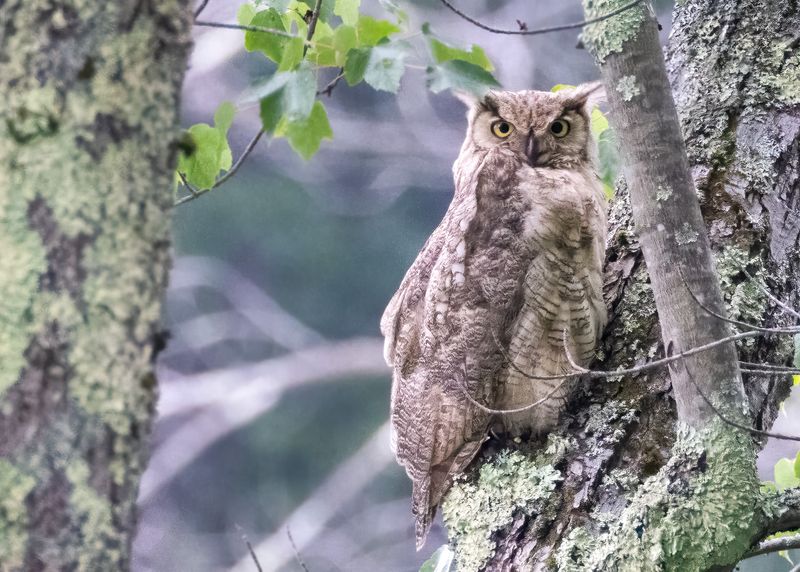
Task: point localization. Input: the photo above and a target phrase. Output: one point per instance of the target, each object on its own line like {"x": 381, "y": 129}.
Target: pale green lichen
{"x": 703, "y": 497}
{"x": 686, "y": 235}
{"x": 627, "y": 87}
{"x": 475, "y": 508}
{"x": 16, "y": 485}
{"x": 609, "y": 35}
{"x": 745, "y": 299}
{"x": 95, "y": 517}
{"x": 663, "y": 193}
{"x": 784, "y": 79}
{"x": 636, "y": 314}
{"x": 93, "y": 152}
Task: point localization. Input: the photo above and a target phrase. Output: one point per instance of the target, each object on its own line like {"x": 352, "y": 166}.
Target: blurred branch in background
{"x": 229, "y": 399}
{"x": 310, "y": 518}
{"x": 250, "y": 304}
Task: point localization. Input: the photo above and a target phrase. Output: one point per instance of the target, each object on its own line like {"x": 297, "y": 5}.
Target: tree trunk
{"x": 622, "y": 485}
{"x": 88, "y": 142}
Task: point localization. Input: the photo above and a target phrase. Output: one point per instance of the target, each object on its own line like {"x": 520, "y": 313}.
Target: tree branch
{"x": 775, "y": 545}
{"x": 523, "y": 28}
{"x": 262, "y": 29}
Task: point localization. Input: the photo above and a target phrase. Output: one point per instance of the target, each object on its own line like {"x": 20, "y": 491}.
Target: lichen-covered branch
{"x": 88, "y": 132}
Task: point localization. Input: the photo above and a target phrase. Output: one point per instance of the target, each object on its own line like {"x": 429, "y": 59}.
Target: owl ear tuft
{"x": 588, "y": 95}
{"x": 475, "y": 103}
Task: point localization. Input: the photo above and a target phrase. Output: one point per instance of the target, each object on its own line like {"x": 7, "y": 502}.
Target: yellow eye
{"x": 559, "y": 127}
{"x": 502, "y": 129}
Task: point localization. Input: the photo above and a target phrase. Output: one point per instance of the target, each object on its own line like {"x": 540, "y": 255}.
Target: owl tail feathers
{"x": 423, "y": 511}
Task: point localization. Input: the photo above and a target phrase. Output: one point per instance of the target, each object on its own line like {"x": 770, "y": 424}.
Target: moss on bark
{"x": 87, "y": 134}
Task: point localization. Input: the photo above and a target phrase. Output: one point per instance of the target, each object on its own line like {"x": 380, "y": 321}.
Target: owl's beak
{"x": 532, "y": 149}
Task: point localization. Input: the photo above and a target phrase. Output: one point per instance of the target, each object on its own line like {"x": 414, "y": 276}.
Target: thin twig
{"x": 197, "y": 192}
{"x": 188, "y": 186}
{"x": 767, "y": 371}
{"x": 723, "y": 318}
{"x": 526, "y": 32}
{"x": 294, "y": 546}
{"x": 515, "y": 367}
{"x": 312, "y": 25}
{"x": 785, "y": 307}
{"x": 328, "y": 89}
{"x": 248, "y": 28}
{"x": 769, "y": 366}
{"x": 200, "y": 8}
{"x": 482, "y": 407}
{"x": 250, "y": 548}
{"x": 730, "y": 422}
{"x": 775, "y": 545}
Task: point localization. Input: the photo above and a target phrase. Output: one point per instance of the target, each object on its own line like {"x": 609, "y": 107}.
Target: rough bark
{"x": 635, "y": 490}
{"x": 88, "y": 131}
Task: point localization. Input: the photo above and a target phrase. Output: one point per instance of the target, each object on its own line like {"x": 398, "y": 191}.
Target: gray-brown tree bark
{"x": 643, "y": 475}
{"x": 89, "y": 97}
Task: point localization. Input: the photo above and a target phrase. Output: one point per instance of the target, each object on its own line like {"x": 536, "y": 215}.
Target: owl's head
{"x": 543, "y": 128}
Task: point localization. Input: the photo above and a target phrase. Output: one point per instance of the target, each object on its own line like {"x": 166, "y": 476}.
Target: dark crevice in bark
{"x": 40, "y": 395}
{"x": 65, "y": 270}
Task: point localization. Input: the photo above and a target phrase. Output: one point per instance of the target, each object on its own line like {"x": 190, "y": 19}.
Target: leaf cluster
{"x": 358, "y": 47}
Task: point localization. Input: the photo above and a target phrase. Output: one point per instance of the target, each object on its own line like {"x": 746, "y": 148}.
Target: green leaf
{"x": 355, "y": 65}
{"x": 440, "y": 561}
{"x": 599, "y": 122}
{"x": 785, "y": 477}
{"x": 347, "y": 10}
{"x": 394, "y": 9}
{"x": 797, "y": 465}
{"x": 290, "y": 94}
{"x": 245, "y": 14}
{"x": 306, "y": 135}
{"x": 271, "y": 111}
{"x": 608, "y": 158}
{"x": 460, "y": 76}
{"x": 371, "y": 31}
{"x": 270, "y": 45}
{"x": 279, "y": 5}
{"x": 385, "y": 67}
{"x": 560, "y": 86}
{"x": 211, "y": 153}
{"x": 796, "y": 380}
{"x": 443, "y": 52}
{"x": 344, "y": 39}
{"x": 223, "y": 116}
{"x": 299, "y": 93}
{"x": 292, "y": 54}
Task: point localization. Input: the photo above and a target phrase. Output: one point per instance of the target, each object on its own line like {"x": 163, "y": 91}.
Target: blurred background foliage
{"x": 274, "y": 393}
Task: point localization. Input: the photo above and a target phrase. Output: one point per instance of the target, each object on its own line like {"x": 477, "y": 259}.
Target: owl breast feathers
{"x": 510, "y": 278}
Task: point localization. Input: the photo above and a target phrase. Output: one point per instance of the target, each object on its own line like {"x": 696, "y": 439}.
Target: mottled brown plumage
{"x": 516, "y": 262}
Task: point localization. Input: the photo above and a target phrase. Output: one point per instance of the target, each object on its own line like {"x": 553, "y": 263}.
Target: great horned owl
{"x": 511, "y": 275}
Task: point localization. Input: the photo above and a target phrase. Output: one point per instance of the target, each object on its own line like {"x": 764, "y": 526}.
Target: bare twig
{"x": 775, "y": 545}
{"x": 729, "y": 320}
{"x": 250, "y": 548}
{"x": 328, "y": 89}
{"x": 523, "y": 31}
{"x": 312, "y": 25}
{"x": 785, "y": 307}
{"x": 262, "y": 29}
{"x": 767, "y": 371}
{"x": 771, "y": 367}
{"x": 730, "y": 422}
{"x": 291, "y": 540}
{"x": 515, "y": 367}
{"x": 198, "y": 192}
{"x": 200, "y": 8}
